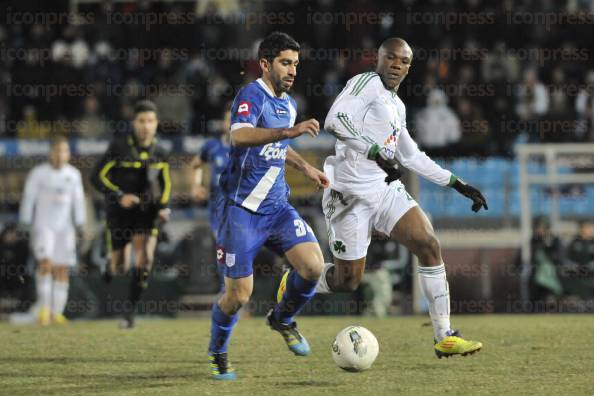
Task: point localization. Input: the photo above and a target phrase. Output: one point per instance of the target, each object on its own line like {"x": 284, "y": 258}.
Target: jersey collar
{"x": 269, "y": 91}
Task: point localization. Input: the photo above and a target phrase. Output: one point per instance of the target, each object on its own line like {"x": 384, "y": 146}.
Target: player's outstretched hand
{"x": 164, "y": 215}
{"x": 473, "y": 193}
{"x": 129, "y": 200}
{"x": 311, "y": 127}
{"x": 317, "y": 176}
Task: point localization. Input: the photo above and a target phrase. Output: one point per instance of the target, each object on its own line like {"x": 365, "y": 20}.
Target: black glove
{"x": 388, "y": 164}
{"x": 478, "y": 200}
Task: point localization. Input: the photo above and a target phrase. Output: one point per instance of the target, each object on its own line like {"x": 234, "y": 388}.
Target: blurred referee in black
{"x": 134, "y": 177}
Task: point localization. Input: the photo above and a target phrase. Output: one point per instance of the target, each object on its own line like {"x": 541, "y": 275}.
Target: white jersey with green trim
{"x": 366, "y": 113}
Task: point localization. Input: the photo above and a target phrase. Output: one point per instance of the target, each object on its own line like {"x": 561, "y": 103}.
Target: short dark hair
{"x": 144, "y": 105}
{"x": 274, "y": 43}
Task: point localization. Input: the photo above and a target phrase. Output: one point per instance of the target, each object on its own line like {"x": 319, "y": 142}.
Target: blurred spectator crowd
{"x": 485, "y": 73}
{"x": 561, "y": 269}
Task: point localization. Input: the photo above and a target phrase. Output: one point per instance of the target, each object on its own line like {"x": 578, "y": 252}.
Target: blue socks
{"x": 299, "y": 291}
{"x": 220, "y": 329}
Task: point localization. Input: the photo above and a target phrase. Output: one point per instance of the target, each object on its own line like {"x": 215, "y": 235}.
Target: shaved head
{"x": 394, "y": 42}
{"x": 393, "y": 62}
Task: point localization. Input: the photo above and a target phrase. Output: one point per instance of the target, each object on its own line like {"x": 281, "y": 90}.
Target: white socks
{"x": 60, "y": 298}
{"x": 434, "y": 287}
{"x": 322, "y": 287}
{"x": 51, "y": 295}
{"x": 44, "y": 290}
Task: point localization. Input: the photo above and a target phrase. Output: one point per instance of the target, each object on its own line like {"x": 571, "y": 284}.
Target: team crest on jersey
{"x": 244, "y": 108}
{"x": 230, "y": 259}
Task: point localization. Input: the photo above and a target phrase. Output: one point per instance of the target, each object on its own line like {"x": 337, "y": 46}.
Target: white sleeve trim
{"x": 239, "y": 125}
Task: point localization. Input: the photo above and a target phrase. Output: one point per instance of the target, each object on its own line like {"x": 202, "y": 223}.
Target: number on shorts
{"x": 299, "y": 228}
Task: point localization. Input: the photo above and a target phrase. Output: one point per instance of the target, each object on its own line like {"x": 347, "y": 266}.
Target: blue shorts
{"x": 215, "y": 212}
{"x": 242, "y": 233}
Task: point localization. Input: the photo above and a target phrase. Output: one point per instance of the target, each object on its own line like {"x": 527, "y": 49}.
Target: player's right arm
{"x": 250, "y": 136}
{"x": 346, "y": 114}
{"x": 29, "y": 197}
{"x": 245, "y": 112}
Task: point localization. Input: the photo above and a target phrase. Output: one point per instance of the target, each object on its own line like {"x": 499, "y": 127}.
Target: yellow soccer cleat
{"x": 60, "y": 319}
{"x": 44, "y": 317}
{"x": 282, "y": 287}
{"x": 454, "y": 344}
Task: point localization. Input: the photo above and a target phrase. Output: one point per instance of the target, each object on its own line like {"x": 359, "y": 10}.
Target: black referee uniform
{"x": 127, "y": 168}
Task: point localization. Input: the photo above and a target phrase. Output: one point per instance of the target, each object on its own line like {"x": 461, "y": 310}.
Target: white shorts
{"x": 59, "y": 247}
{"x": 351, "y": 219}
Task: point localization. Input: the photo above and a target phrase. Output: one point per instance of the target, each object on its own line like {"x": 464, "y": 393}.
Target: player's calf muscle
{"x": 427, "y": 248}
{"x": 346, "y": 275}
{"x": 232, "y": 301}
{"x": 118, "y": 262}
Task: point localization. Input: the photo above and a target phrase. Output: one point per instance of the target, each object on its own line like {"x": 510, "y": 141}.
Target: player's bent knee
{"x": 232, "y": 301}
{"x": 45, "y": 267}
{"x": 313, "y": 271}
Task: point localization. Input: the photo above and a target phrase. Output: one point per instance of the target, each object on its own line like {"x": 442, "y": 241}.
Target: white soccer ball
{"x": 355, "y": 348}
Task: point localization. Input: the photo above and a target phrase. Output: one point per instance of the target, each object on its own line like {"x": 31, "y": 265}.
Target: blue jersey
{"x": 255, "y": 176}
{"x": 216, "y": 154}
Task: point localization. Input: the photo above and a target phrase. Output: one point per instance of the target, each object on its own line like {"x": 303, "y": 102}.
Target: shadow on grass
{"x": 309, "y": 383}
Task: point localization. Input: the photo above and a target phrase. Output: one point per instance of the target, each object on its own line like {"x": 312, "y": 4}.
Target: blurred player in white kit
{"x": 53, "y": 208}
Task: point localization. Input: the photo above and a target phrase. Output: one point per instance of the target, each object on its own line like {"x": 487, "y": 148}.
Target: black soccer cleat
{"x": 220, "y": 368}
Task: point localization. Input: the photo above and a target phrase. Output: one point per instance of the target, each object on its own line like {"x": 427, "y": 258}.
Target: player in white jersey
{"x": 53, "y": 208}
{"x": 369, "y": 120}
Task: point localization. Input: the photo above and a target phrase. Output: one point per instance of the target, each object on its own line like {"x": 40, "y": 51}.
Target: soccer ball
{"x": 355, "y": 348}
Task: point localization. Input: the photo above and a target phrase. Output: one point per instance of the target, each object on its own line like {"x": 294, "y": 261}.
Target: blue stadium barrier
{"x": 497, "y": 177}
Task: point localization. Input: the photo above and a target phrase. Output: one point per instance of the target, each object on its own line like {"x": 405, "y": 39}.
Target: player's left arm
{"x": 411, "y": 157}
{"x": 296, "y": 161}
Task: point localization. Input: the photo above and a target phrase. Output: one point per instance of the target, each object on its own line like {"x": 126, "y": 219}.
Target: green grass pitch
{"x": 538, "y": 355}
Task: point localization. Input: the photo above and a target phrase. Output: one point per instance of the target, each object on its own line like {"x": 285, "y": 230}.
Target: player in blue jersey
{"x": 256, "y": 212}
{"x": 215, "y": 153}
